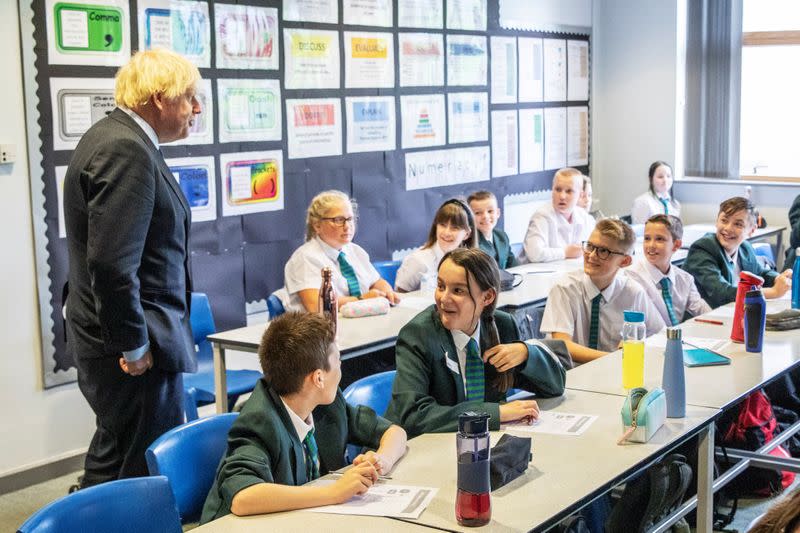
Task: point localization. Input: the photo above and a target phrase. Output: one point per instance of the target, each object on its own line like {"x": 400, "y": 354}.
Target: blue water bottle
{"x": 673, "y": 379}
{"x": 755, "y": 319}
{"x": 796, "y": 281}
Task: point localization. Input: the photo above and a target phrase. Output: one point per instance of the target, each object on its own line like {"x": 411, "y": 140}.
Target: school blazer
{"x": 500, "y": 249}
{"x": 428, "y": 393}
{"x": 263, "y": 446}
{"x": 794, "y": 233}
{"x": 712, "y": 273}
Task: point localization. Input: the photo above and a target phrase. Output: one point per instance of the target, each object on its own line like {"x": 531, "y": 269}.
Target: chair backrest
{"x": 202, "y": 321}
{"x": 189, "y": 455}
{"x": 275, "y": 306}
{"x": 374, "y": 391}
{"x": 387, "y": 270}
{"x": 123, "y": 506}
{"x": 764, "y": 249}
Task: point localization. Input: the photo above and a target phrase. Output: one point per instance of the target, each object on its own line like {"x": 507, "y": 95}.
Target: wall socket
{"x": 8, "y": 153}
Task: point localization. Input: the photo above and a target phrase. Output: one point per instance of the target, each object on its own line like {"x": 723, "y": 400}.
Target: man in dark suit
{"x": 129, "y": 266}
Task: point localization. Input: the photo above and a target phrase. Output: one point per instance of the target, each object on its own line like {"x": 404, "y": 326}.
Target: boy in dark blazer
{"x": 716, "y": 259}
{"x": 295, "y": 427}
{"x": 491, "y": 239}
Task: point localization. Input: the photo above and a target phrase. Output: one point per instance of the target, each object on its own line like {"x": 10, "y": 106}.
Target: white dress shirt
{"x": 648, "y": 204}
{"x": 303, "y": 270}
{"x": 549, "y": 232}
{"x": 422, "y": 262}
{"x": 569, "y": 309}
{"x": 685, "y": 297}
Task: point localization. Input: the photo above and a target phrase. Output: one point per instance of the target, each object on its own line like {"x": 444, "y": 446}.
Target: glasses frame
{"x": 601, "y": 251}
{"x": 341, "y": 221}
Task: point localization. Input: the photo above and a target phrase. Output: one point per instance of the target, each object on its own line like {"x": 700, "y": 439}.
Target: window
{"x": 770, "y": 99}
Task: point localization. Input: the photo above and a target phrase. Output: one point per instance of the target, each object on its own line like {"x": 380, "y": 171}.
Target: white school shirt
{"x": 685, "y": 296}
{"x": 648, "y": 204}
{"x": 569, "y": 309}
{"x": 735, "y": 267}
{"x": 461, "y": 339}
{"x": 549, "y": 232}
{"x": 303, "y": 270}
{"x": 421, "y": 262}
{"x": 302, "y": 427}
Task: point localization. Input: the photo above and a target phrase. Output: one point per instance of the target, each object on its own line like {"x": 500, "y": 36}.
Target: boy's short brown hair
{"x": 672, "y": 223}
{"x": 733, "y": 205}
{"x": 618, "y": 230}
{"x": 477, "y": 196}
{"x": 293, "y": 346}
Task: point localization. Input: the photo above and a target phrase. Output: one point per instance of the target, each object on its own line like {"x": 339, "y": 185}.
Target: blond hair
{"x": 616, "y": 229}
{"x": 569, "y": 172}
{"x": 154, "y": 71}
{"x": 321, "y": 205}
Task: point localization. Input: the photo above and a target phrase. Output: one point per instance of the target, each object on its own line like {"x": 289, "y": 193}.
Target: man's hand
{"x": 139, "y": 367}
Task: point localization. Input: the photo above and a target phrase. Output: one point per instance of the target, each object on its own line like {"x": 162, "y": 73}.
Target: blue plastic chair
{"x": 123, "y": 506}
{"x": 374, "y": 391}
{"x": 188, "y": 456}
{"x": 274, "y": 306}
{"x": 387, "y": 270}
{"x": 764, "y": 249}
{"x": 199, "y": 387}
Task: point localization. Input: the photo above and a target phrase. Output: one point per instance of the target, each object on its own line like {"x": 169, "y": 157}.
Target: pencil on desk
{"x": 709, "y": 321}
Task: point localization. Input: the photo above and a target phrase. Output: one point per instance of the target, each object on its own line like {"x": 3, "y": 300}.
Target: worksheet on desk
{"x": 398, "y": 501}
{"x": 555, "y": 424}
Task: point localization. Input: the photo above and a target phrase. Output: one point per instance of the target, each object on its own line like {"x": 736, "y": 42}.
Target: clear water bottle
{"x": 473, "y": 500}
{"x": 796, "y": 281}
{"x": 673, "y": 379}
{"x": 633, "y": 334}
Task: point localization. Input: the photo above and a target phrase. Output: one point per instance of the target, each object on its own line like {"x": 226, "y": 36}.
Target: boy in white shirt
{"x": 584, "y": 308}
{"x": 671, "y": 289}
{"x": 556, "y": 230}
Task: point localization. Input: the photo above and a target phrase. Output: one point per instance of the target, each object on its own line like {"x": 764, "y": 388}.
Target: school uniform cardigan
{"x": 428, "y": 396}
{"x": 263, "y": 445}
{"x": 708, "y": 263}
{"x": 499, "y": 248}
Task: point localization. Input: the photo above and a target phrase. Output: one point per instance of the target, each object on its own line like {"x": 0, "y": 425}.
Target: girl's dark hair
{"x": 783, "y": 516}
{"x": 652, "y": 172}
{"x": 457, "y": 213}
{"x": 479, "y": 266}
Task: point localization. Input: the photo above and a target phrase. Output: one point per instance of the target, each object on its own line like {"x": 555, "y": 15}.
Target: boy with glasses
{"x": 584, "y": 308}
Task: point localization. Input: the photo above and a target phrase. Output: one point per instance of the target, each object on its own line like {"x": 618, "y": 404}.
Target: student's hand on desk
{"x": 519, "y": 410}
{"x": 782, "y": 285}
{"x": 355, "y": 480}
{"x": 506, "y": 356}
{"x": 375, "y": 459}
{"x": 139, "y": 367}
{"x": 571, "y": 251}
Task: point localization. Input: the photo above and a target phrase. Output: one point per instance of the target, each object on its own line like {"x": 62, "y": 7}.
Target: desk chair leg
{"x": 705, "y": 480}
{"x": 220, "y": 380}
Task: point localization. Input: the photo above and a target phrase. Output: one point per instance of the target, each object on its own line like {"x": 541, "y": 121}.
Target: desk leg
{"x": 220, "y": 379}
{"x": 705, "y": 480}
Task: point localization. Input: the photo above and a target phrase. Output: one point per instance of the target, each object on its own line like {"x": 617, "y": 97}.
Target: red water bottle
{"x": 747, "y": 282}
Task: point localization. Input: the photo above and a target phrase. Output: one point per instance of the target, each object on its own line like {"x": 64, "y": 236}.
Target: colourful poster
{"x": 467, "y": 117}
{"x": 370, "y": 124}
{"x": 314, "y": 127}
{"x": 466, "y": 60}
{"x": 251, "y": 182}
{"x": 198, "y": 180}
{"x": 247, "y": 37}
{"x": 368, "y": 60}
{"x": 77, "y": 103}
{"x": 202, "y": 129}
{"x": 423, "y": 120}
{"x": 177, "y": 25}
{"x": 421, "y": 59}
{"x": 249, "y": 110}
{"x": 312, "y": 59}
{"x": 88, "y": 32}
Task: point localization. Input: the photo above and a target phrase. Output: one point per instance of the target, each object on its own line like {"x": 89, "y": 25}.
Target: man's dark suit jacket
{"x": 713, "y": 275}
{"x": 128, "y": 237}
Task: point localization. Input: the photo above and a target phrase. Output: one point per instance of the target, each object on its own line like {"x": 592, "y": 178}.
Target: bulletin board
{"x": 399, "y": 103}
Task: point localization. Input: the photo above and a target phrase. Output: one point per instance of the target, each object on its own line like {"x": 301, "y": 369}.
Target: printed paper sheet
{"x": 555, "y": 423}
{"x": 246, "y": 37}
{"x": 531, "y": 140}
{"x": 202, "y": 129}
{"x": 312, "y": 59}
{"x": 555, "y": 70}
{"x": 368, "y": 60}
{"x": 504, "y": 143}
{"x": 423, "y": 120}
{"x": 531, "y": 69}
{"x": 184, "y": 27}
{"x": 436, "y": 168}
{"x": 370, "y": 123}
{"x": 421, "y": 59}
{"x": 314, "y": 127}
{"x": 468, "y": 117}
{"x": 77, "y": 103}
{"x": 466, "y": 60}
{"x": 504, "y": 70}
{"x": 249, "y": 110}
{"x": 368, "y": 12}
{"x": 198, "y": 180}
{"x": 326, "y": 11}
{"x": 252, "y": 182}
{"x": 555, "y": 137}
{"x": 88, "y": 32}
{"x": 577, "y": 136}
{"x": 382, "y": 499}
{"x": 466, "y": 15}
{"x": 420, "y": 14}
{"x": 577, "y": 70}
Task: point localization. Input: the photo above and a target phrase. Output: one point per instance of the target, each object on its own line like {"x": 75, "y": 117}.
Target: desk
{"x": 301, "y": 522}
{"x": 566, "y": 473}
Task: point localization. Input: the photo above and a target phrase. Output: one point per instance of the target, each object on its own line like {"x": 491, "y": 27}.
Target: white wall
{"x": 38, "y": 426}
{"x": 634, "y": 97}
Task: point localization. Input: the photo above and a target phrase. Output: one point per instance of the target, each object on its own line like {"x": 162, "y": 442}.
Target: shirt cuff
{"x": 134, "y": 355}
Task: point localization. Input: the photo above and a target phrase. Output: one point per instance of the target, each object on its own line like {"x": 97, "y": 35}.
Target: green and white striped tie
{"x": 311, "y": 455}
{"x": 594, "y": 322}
{"x": 667, "y": 295}
{"x": 474, "y": 371}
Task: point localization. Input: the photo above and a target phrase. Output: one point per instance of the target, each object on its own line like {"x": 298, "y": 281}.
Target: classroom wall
{"x": 38, "y": 426}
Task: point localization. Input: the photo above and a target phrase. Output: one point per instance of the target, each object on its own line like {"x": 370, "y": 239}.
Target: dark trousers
{"x": 131, "y": 413}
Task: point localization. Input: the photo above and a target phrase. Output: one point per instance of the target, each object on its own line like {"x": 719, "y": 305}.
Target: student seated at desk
{"x": 295, "y": 427}
{"x": 450, "y": 360}
{"x": 491, "y": 239}
{"x": 453, "y": 226}
{"x": 716, "y": 259}
{"x": 794, "y": 232}
{"x": 659, "y": 199}
{"x": 671, "y": 289}
{"x": 330, "y": 227}
{"x": 584, "y": 308}
{"x": 556, "y": 230}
